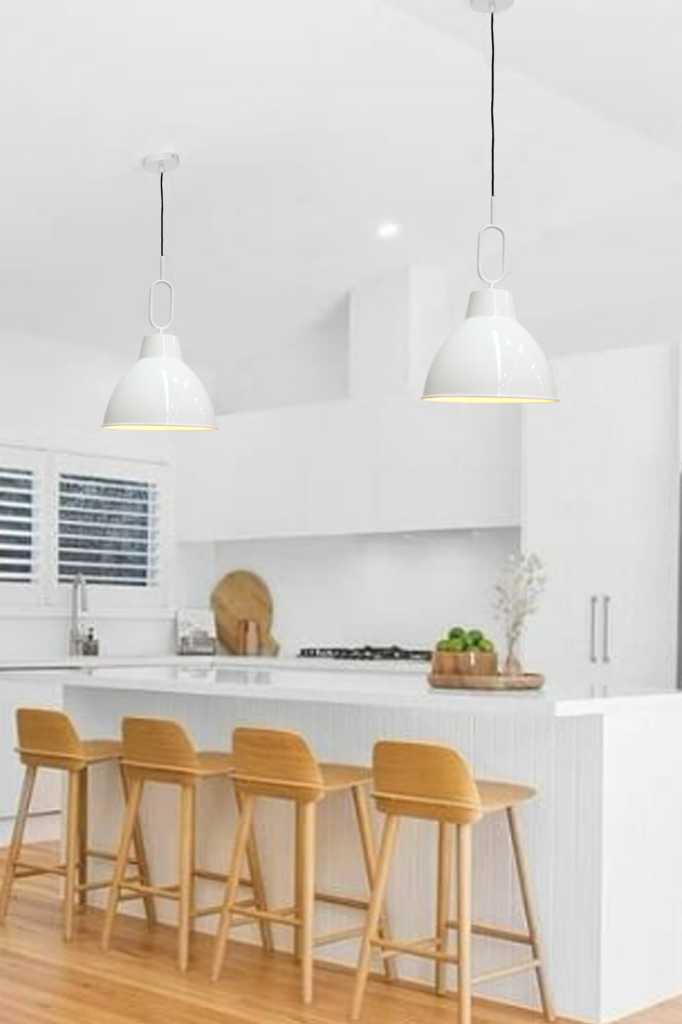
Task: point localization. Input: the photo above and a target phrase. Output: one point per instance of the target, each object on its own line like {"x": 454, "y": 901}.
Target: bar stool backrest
{"x": 158, "y": 744}
{"x": 278, "y": 763}
{"x": 47, "y": 735}
{"x": 424, "y": 780}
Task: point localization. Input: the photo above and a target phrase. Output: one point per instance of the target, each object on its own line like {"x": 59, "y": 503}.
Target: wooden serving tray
{"x": 526, "y": 681}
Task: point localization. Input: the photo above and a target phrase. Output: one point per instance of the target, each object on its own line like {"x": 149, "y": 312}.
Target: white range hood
{"x": 379, "y": 460}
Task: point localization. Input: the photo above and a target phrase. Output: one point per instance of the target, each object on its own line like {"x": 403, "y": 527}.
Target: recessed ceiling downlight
{"x": 389, "y": 229}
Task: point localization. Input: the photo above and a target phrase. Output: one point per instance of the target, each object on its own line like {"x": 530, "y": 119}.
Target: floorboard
{"x": 44, "y": 981}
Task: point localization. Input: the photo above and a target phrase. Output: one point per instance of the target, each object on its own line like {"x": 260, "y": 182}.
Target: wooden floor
{"x": 44, "y": 981}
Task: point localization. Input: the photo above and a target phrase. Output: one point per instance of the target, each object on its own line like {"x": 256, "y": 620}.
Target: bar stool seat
{"x": 279, "y": 764}
{"x": 48, "y": 739}
{"x": 95, "y": 751}
{"x": 213, "y": 762}
{"x": 160, "y": 751}
{"x": 207, "y": 763}
{"x": 336, "y": 777}
{"x": 499, "y": 796}
{"x": 433, "y": 783}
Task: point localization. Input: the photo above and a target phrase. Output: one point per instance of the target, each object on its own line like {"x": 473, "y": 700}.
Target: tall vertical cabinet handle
{"x": 593, "y": 629}
{"x": 606, "y": 634}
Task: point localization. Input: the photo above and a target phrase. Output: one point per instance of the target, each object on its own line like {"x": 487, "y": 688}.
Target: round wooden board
{"x": 243, "y": 595}
{"x": 528, "y": 681}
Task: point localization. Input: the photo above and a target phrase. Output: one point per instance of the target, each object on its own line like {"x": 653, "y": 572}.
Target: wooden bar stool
{"x": 279, "y": 764}
{"x": 158, "y": 750}
{"x": 48, "y": 739}
{"x": 423, "y": 780}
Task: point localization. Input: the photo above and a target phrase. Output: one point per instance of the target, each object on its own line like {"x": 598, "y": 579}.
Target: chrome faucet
{"x": 79, "y": 605}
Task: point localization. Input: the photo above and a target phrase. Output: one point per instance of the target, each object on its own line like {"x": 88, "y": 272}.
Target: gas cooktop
{"x": 366, "y": 653}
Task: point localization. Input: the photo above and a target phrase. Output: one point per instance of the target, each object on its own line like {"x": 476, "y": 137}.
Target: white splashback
{"x": 379, "y": 589}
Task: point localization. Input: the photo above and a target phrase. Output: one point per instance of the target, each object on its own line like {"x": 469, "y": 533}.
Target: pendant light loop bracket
{"x": 491, "y": 281}
{"x": 157, "y": 325}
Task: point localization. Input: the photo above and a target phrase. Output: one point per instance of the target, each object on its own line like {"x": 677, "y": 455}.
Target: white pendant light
{"x": 160, "y": 391}
{"x": 491, "y": 357}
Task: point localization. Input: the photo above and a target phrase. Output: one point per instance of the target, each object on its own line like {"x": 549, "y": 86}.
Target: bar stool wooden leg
{"x": 238, "y": 853}
{"x": 374, "y": 913}
{"x": 83, "y": 840}
{"x": 256, "y": 875}
{"x": 132, "y": 811}
{"x": 464, "y": 835}
{"x": 186, "y": 860}
{"x": 443, "y": 900}
{"x": 72, "y": 851}
{"x": 307, "y": 908}
{"x": 369, "y": 854}
{"x": 17, "y": 838}
{"x": 533, "y": 930}
{"x": 298, "y": 877}
{"x": 140, "y": 853}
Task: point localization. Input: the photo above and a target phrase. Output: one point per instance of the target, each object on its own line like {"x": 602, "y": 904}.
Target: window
{"x": 62, "y": 514}
{"x": 19, "y": 552}
{"x": 108, "y": 530}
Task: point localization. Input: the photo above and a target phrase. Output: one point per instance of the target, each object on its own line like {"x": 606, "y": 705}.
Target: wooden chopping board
{"x": 243, "y": 595}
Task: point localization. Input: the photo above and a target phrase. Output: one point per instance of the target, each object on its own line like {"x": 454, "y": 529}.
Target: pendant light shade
{"x": 160, "y": 391}
{"x": 490, "y": 358}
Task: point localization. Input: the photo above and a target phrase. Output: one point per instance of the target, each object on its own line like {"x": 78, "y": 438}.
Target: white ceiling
{"x": 301, "y": 126}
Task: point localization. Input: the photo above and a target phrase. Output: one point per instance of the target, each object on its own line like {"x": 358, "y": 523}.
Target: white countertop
{"x": 227, "y": 661}
{"x": 283, "y": 679}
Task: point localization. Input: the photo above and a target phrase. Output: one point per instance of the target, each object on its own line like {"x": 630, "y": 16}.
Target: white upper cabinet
{"x": 355, "y": 466}
{"x": 600, "y": 505}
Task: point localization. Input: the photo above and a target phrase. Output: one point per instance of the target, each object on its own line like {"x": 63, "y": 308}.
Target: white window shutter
{"x": 108, "y": 530}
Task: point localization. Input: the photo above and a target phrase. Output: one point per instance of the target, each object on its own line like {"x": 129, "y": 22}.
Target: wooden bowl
{"x": 464, "y": 663}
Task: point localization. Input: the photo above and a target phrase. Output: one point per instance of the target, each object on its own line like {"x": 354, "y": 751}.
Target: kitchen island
{"x": 604, "y": 836}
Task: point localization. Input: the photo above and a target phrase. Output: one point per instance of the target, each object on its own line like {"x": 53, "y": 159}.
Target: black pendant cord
{"x": 492, "y": 114}
{"x": 162, "y": 213}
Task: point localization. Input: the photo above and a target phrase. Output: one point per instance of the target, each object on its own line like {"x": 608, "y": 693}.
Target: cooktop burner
{"x": 367, "y": 653}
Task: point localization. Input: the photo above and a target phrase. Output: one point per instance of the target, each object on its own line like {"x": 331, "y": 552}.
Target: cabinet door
{"x": 600, "y": 506}
{"x": 47, "y": 796}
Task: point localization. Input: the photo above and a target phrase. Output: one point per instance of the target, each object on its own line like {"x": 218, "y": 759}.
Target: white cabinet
{"x": 355, "y": 466}
{"x": 600, "y": 505}
{"x": 47, "y": 796}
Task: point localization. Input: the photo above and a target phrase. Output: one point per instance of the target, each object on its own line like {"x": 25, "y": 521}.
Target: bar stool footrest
{"x": 339, "y": 936}
{"x": 283, "y": 915}
{"x": 418, "y": 948}
{"x": 217, "y": 908}
{"x": 506, "y": 972}
{"x": 494, "y": 932}
{"x": 338, "y": 900}
{"x": 24, "y": 869}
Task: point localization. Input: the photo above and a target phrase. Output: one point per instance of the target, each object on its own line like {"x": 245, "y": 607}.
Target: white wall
{"x": 379, "y": 589}
{"x": 53, "y": 395}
